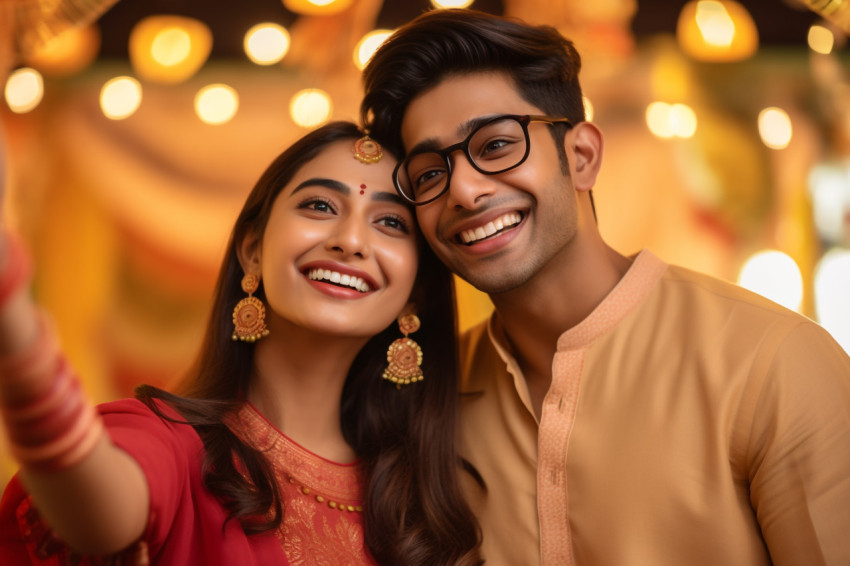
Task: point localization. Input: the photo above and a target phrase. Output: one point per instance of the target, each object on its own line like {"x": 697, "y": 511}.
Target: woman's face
{"x": 339, "y": 253}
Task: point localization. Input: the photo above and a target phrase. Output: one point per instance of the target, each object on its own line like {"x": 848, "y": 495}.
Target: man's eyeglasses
{"x": 496, "y": 146}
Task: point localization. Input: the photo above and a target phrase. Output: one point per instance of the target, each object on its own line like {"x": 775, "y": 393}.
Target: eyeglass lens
{"x": 494, "y": 147}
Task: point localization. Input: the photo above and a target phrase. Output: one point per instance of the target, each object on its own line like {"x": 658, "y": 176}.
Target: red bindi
{"x": 362, "y": 189}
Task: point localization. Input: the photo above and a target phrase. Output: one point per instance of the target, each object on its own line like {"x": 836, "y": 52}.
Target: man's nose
{"x": 467, "y": 185}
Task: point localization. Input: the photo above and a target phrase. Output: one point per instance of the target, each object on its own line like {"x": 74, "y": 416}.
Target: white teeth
{"x": 506, "y": 221}
{"x": 338, "y": 278}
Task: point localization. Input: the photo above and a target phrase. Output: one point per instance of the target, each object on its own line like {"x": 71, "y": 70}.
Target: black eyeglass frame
{"x": 523, "y": 120}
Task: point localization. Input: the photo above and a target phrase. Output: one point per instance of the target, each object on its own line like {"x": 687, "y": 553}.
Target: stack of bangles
{"x": 50, "y": 423}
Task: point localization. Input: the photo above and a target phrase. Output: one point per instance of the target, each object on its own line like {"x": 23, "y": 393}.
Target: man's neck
{"x": 558, "y": 298}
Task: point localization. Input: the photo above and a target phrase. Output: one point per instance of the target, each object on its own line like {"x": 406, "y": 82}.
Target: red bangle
{"x": 17, "y": 269}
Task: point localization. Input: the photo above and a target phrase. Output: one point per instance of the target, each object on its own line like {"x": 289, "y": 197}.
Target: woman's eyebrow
{"x": 342, "y": 188}
{"x": 328, "y": 183}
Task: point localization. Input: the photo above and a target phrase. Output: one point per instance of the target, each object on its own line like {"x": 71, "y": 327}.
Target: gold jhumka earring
{"x": 249, "y": 316}
{"x": 404, "y": 354}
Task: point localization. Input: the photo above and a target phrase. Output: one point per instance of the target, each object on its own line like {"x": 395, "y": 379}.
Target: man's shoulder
{"x": 701, "y": 289}
{"x": 700, "y": 304}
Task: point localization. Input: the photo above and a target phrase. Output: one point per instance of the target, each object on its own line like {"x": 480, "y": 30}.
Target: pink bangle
{"x": 50, "y": 423}
{"x": 68, "y": 449}
{"x": 49, "y": 400}
{"x": 17, "y": 269}
{"x": 45, "y": 428}
{"x": 81, "y": 449}
{"x": 28, "y": 374}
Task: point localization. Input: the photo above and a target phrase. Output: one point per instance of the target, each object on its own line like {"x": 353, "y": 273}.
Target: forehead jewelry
{"x": 367, "y": 150}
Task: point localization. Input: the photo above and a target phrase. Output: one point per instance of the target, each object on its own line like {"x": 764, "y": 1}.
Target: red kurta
{"x": 321, "y": 523}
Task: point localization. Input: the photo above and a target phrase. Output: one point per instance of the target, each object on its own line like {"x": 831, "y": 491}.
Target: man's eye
{"x": 495, "y": 147}
{"x": 427, "y": 178}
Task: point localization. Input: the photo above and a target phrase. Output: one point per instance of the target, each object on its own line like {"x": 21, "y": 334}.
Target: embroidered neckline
{"x": 339, "y": 486}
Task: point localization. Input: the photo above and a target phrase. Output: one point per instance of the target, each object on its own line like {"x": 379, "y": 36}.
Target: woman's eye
{"x": 394, "y": 223}
{"x": 319, "y": 205}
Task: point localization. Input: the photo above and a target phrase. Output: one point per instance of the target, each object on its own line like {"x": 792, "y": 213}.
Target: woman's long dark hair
{"x": 414, "y": 511}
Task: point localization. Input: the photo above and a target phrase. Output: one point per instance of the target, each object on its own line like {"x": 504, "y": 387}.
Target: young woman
{"x": 307, "y": 432}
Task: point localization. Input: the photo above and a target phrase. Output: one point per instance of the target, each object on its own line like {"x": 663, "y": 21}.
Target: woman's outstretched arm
{"x": 92, "y": 494}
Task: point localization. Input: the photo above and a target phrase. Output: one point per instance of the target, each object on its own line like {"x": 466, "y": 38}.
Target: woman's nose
{"x": 350, "y": 237}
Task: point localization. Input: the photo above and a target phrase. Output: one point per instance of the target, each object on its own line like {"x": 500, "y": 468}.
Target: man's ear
{"x": 249, "y": 251}
{"x": 586, "y": 144}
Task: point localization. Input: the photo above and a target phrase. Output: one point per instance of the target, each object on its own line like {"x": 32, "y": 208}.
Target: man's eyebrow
{"x": 321, "y": 182}
{"x": 462, "y": 131}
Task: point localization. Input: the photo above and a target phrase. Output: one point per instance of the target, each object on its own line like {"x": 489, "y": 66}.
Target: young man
{"x": 620, "y": 410}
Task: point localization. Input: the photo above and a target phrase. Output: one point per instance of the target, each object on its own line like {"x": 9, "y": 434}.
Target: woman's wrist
{"x": 15, "y": 267}
{"x": 50, "y": 423}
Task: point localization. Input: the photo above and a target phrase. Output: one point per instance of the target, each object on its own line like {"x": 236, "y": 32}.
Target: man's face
{"x": 496, "y": 231}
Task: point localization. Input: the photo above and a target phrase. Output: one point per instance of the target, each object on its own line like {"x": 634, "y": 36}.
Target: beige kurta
{"x": 688, "y": 422}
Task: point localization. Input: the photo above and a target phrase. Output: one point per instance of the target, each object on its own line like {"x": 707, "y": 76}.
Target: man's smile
{"x": 473, "y": 235}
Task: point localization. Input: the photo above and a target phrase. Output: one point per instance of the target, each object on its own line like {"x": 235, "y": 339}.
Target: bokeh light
{"x": 671, "y": 120}
{"x": 715, "y": 23}
{"x": 832, "y": 295}
{"x": 775, "y": 275}
{"x": 716, "y": 31}
{"x": 68, "y": 53}
{"x": 169, "y": 49}
{"x": 775, "y": 128}
{"x": 310, "y": 107}
{"x": 316, "y": 7}
{"x": 821, "y": 40}
{"x": 171, "y": 46}
{"x": 120, "y": 97}
{"x": 442, "y": 4}
{"x": 24, "y": 90}
{"x": 829, "y": 187}
{"x": 266, "y": 43}
{"x": 216, "y": 104}
{"x": 367, "y": 46}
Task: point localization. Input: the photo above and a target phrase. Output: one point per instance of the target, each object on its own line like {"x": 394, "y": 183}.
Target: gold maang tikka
{"x": 367, "y": 150}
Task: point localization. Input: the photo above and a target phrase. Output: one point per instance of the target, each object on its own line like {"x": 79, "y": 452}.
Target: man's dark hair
{"x": 543, "y": 65}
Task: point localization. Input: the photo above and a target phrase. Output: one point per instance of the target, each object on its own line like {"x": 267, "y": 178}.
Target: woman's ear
{"x": 586, "y": 144}
{"x": 249, "y": 252}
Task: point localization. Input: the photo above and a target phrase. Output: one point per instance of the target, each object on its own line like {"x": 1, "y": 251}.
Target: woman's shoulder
{"x": 156, "y": 435}
{"x": 158, "y": 417}
{"x": 134, "y": 407}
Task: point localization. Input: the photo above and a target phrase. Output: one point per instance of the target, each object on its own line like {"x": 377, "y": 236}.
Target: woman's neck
{"x": 297, "y": 385}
